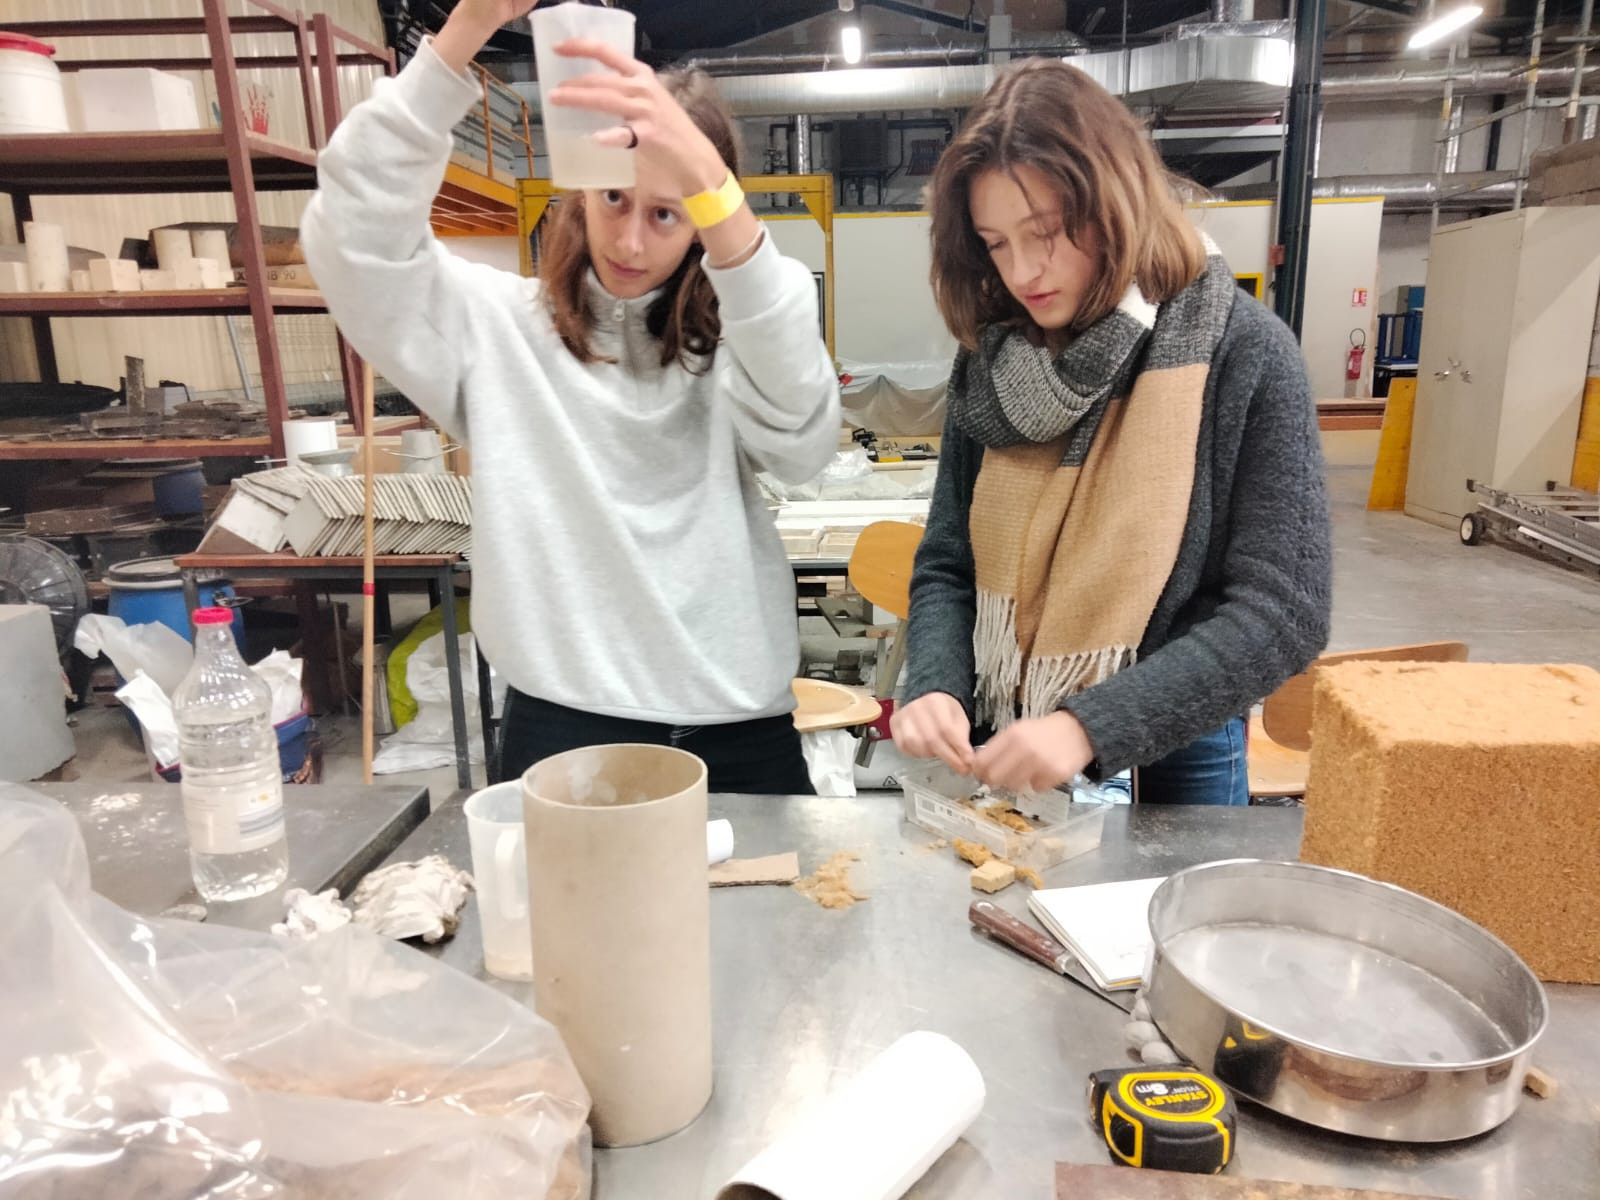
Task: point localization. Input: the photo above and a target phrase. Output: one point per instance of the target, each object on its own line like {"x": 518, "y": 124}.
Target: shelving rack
{"x": 233, "y": 158}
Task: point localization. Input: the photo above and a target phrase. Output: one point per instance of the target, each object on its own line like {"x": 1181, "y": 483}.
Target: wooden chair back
{"x": 1286, "y": 714}
{"x": 880, "y": 565}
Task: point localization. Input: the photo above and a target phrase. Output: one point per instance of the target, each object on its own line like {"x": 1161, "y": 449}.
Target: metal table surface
{"x": 139, "y": 851}
{"x": 804, "y": 997}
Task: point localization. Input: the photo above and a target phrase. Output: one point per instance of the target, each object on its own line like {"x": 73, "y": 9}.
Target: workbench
{"x": 804, "y": 997}
{"x": 138, "y": 847}
{"x": 438, "y": 571}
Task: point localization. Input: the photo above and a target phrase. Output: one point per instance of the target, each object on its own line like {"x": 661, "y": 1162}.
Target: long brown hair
{"x": 685, "y": 315}
{"x": 1053, "y": 117}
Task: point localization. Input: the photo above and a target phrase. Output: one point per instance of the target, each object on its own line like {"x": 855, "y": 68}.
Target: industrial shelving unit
{"x": 233, "y": 159}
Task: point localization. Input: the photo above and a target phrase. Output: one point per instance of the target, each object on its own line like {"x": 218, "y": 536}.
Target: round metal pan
{"x": 1352, "y": 1005}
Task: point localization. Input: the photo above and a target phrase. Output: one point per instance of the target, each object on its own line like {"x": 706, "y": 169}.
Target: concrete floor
{"x": 1397, "y": 580}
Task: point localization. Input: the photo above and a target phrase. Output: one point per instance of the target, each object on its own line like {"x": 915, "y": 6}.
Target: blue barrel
{"x": 150, "y": 590}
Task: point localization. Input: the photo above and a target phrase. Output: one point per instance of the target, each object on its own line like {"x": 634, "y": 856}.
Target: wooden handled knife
{"x": 1039, "y": 946}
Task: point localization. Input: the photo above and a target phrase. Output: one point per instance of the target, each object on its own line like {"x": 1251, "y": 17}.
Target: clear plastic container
{"x": 232, "y": 781}
{"x": 942, "y": 802}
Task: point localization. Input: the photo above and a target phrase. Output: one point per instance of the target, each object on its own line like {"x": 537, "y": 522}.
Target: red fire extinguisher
{"x": 1358, "y": 351}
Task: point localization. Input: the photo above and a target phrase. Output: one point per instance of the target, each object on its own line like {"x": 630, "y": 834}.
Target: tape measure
{"x": 1165, "y": 1118}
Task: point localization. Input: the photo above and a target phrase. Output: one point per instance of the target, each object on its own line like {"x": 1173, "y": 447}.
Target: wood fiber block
{"x": 1474, "y": 784}
{"x": 993, "y": 876}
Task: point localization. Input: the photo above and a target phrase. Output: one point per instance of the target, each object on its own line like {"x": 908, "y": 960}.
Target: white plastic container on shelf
{"x": 31, "y": 96}
{"x": 135, "y": 99}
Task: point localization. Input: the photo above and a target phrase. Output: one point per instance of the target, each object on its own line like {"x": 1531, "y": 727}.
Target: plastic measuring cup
{"x": 500, "y": 867}
{"x": 576, "y": 160}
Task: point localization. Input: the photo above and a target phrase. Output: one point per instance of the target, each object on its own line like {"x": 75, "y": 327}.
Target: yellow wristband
{"x": 712, "y": 208}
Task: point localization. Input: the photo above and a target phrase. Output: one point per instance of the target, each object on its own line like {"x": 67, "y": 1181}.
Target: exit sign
{"x": 1358, "y": 298}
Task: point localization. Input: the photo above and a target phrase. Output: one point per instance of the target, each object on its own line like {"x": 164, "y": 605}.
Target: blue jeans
{"x": 1209, "y": 770}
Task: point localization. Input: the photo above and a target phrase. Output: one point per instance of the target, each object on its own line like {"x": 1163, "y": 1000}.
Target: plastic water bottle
{"x": 232, "y": 783}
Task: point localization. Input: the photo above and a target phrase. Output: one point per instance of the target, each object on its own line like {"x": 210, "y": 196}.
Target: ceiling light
{"x": 1444, "y": 25}
{"x": 850, "y": 42}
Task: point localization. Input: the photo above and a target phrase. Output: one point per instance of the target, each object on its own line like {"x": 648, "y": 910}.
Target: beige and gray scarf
{"x": 1081, "y": 502}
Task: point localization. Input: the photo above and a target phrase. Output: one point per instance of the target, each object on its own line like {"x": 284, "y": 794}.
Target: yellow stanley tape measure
{"x": 1165, "y": 1118}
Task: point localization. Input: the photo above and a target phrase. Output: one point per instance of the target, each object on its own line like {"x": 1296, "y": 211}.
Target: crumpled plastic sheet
{"x": 149, "y": 1059}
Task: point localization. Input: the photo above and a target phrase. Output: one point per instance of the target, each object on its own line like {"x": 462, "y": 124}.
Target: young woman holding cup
{"x": 628, "y": 581}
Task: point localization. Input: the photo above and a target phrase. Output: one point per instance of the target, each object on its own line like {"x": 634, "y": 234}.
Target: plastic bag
{"x": 166, "y": 1060}
{"x": 830, "y": 761}
{"x": 429, "y": 739}
{"x": 152, "y": 648}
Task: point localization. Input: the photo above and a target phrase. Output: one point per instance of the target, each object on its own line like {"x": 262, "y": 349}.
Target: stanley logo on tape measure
{"x": 1173, "y": 1119}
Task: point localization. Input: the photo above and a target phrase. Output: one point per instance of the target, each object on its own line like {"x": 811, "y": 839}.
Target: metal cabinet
{"x": 1505, "y": 352}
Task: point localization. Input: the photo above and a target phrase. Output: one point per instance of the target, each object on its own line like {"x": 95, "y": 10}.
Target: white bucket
{"x": 31, "y": 97}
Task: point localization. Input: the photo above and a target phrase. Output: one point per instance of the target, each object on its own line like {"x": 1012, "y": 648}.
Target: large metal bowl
{"x": 1353, "y": 1005}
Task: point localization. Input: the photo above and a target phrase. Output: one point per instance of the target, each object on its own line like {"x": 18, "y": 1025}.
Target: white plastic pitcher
{"x": 576, "y": 161}
{"x": 500, "y": 867}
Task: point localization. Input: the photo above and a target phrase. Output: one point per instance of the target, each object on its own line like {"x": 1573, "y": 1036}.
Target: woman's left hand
{"x": 1036, "y": 755}
{"x": 667, "y": 137}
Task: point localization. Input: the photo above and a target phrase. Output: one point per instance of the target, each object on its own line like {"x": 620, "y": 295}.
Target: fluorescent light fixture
{"x": 1444, "y": 25}
{"x": 850, "y": 42}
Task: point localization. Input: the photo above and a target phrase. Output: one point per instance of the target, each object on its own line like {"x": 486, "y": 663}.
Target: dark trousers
{"x": 761, "y": 757}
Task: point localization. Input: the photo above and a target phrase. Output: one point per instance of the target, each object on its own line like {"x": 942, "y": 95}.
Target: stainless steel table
{"x": 804, "y": 997}
{"x": 139, "y": 856}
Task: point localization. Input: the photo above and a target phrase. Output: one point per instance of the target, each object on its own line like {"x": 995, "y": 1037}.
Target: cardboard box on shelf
{"x": 296, "y": 275}
{"x": 135, "y": 99}
{"x": 114, "y": 275}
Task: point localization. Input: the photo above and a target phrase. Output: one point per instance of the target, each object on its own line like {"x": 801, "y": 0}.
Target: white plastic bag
{"x": 158, "y": 722}
{"x": 831, "y": 761}
{"x": 281, "y": 673}
{"x": 168, "y": 1060}
{"x": 152, "y": 648}
{"x": 428, "y": 739}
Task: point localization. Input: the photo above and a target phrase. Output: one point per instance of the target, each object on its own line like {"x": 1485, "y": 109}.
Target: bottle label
{"x": 223, "y": 819}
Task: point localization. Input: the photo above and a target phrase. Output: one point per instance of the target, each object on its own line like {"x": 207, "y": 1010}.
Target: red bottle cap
{"x": 213, "y": 616}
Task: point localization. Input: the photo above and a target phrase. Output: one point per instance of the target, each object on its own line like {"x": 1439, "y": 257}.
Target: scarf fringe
{"x": 998, "y": 659}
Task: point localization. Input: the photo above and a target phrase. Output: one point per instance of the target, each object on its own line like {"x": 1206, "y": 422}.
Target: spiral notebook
{"x": 1105, "y": 925}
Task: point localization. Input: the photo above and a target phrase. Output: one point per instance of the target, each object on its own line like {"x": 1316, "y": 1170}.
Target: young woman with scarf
{"x": 1128, "y": 544}
{"x": 627, "y": 579}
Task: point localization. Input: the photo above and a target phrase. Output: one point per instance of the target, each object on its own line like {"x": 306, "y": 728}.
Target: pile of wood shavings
{"x": 830, "y": 887}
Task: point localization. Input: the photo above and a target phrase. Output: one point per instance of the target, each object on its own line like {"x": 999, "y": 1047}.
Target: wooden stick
{"x": 369, "y": 607}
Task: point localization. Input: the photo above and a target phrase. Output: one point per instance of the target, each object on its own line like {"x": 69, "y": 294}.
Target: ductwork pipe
{"x": 1345, "y": 83}
{"x": 1492, "y": 189}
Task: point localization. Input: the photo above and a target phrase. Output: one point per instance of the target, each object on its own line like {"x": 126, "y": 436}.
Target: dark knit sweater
{"x": 1247, "y": 603}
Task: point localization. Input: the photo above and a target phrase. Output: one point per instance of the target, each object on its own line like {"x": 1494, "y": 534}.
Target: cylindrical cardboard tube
{"x": 212, "y": 244}
{"x": 875, "y": 1136}
{"x": 621, "y": 926}
{"x": 172, "y": 246}
{"x": 45, "y": 248}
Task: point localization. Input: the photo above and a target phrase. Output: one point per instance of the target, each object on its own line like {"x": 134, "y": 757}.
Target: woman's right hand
{"x": 935, "y": 726}
{"x": 472, "y": 23}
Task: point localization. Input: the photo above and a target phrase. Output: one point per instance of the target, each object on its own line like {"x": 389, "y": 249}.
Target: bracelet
{"x": 744, "y": 254}
{"x": 712, "y": 208}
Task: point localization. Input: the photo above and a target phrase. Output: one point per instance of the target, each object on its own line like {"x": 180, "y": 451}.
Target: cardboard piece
{"x": 621, "y": 928}
{"x": 742, "y": 872}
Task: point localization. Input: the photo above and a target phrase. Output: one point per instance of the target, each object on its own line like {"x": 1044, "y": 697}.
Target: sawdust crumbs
{"x": 830, "y": 887}
{"x": 975, "y": 853}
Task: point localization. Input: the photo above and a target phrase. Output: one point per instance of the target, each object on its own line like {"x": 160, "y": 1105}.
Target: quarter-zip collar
{"x": 612, "y": 312}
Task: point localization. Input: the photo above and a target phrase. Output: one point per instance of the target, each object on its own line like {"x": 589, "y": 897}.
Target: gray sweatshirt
{"x": 624, "y": 562}
{"x": 1247, "y": 604}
